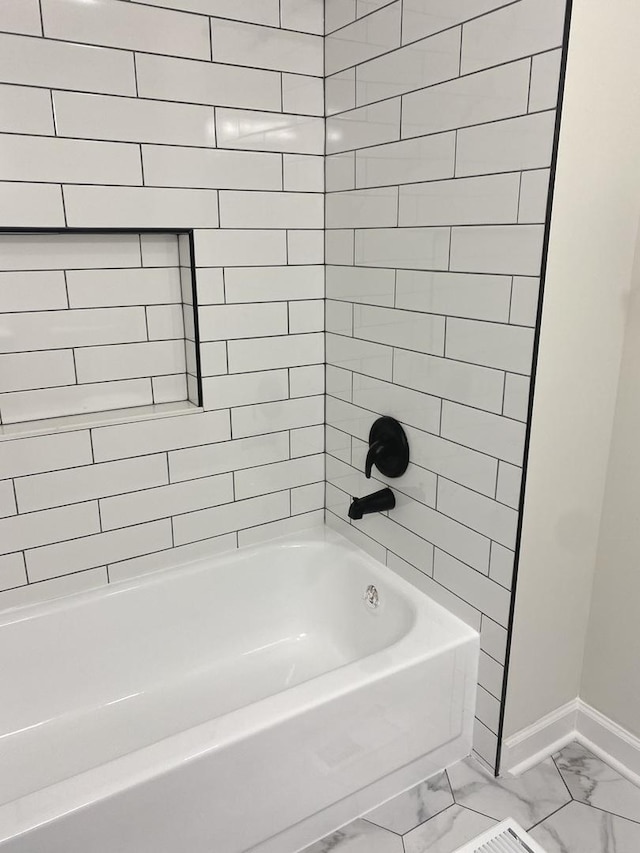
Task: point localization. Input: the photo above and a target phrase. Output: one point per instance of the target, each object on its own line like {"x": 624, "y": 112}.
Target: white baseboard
{"x": 574, "y": 721}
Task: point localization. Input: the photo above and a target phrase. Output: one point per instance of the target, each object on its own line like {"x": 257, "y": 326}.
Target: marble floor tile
{"x": 593, "y": 782}
{"x": 447, "y": 831}
{"x": 578, "y": 828}
{"x": 412, "y": 808}
{"x": 528, "y": 798}
{"x": 360, "y": 836}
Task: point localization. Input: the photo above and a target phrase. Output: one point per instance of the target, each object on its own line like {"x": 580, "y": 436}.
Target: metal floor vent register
{"x": 506, "y": 837}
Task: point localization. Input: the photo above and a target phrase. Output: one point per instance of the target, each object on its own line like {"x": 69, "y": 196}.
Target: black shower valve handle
{"x": 388, "y": 448}
{"x": 376, "y": 449}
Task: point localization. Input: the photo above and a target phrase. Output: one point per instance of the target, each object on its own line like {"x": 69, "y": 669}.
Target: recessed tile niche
{"x": 95, "y": 323}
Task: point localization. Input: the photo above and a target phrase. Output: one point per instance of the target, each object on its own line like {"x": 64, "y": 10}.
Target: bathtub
{"x": 250, "y": 702}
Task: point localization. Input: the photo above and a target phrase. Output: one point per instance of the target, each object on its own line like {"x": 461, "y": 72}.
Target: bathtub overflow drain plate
{"x": 371, "y": 597}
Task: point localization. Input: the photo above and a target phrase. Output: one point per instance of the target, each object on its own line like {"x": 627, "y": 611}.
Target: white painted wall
{"x": 611, "y": 676}
{"x": 593, "y": 236}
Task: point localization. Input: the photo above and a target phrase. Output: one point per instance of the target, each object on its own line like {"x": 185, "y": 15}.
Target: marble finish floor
{"x": 570, "y": 803}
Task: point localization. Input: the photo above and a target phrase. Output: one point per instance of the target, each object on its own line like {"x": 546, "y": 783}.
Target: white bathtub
{"x": 253, "y": 702}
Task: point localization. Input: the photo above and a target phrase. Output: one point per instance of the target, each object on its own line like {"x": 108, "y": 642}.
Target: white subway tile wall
{"x": 199, "y": 114}
{"x": 440, "y": 128}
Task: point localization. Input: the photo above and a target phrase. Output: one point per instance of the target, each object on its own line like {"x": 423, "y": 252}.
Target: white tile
{"x": 338, "y": 13}
{"x": 302, "y": 173}
{"x": 365, "y": 7}
{"x": 465, "y": 383}
{"x": 516, "y": 396}
{"x": 256, "y": 131}
{"x": 283, "y": 527}
{"x": 363, "y": 208}
{"x": 125, "y": 440}
{"x": 7, "y": 499}
{"x": 42, "y": 62}
{"x": 494, "y": 94}
{"x": 32, "y": 291}
{"x": 524, "y": 301}
{"x": 226, "y": 322}
{"x": 190, "y": 81}
{"x": 339, "y": 317}
{"x": 353, "y": 420}
{"x": 338, "y": 444}
{"x": 362, "y": 356}
{"x": 165, "y": 322}
{"x": 478, "y": 512}
{"x": 423, "y": 159}
{"x": 534, "y": 193}
{"x": 240, "y": 248}
{"x": 481, "y": 297}
{"x": 456, "y": 463}
{"x": 490, "y": 673}
{"x": 510, "y": 249}
{"x": 491, "y": 344}
{"x": 305, "y": 247}
{"x": 31, "y": 205}
{"x": 24, "y": 110}
{"x": 410, "y": 407}
{"x": 306, "y": 316}
{"x": 222, "y": 392}
{"x": 278, "y": 476}
{"x": 498, "y": 436}
{"x": 40, "y": 330}
{"x": 233, "y": 455}
{"x": 25, "y": 371}
{"x": 356, "y": 284}
{"x": 90, "y": 551}
{"x": 509, "y": 482}
{"x": 407, "y": 329}
{"x": 274, "y": 417}
{"x": 493, "y": 640}
{"x": 417, "y": 483}
{"x": 306, "y": 381}
{"x": 362, "y": 40}
{"x": 245, "y": 44}
{"x": 501, "y": 565}
{"x": 463, "y": 201}
{"x": 20, "y": 16}
{"x": 410, "y": 248}
{"x": 302, "y": 94}
{"x": 210, "y": 286}
{"x": 74, "y": 400}
{"x": 511, "y": 145}
{"x": 43, "y": 491}
{"x": 172, "y": 388}
{"x": 370, "y": 125}
{"x": 412, "y": 67}
{"x": 271, "y": 210}
{"x": 340, "y": 92}
{"x": 105, "y": 288}
{"x": 487, "y": 709}
{"x": 445, "y": 533}
{"x": 307, "y": 498}
{"x": 423, "y": 17}
{"x": 165, "y": 501}
{"x": 38, "y": 158}
{"x": 133, "y": 120}
{"x": 338, "y": 383}
{"x": 129, "y": 361}
{"x": 339, "y": 246}
{"x": 35, "y": 593}
{"x": 12, "y": 572}
{"x": 52, "y": 525}
{"x": 340, "y": 172}
{"x": 398, "y": 540}
{"x": 281, "y": 351}
{"x": 159, "y": 250}
{"x": 520, "y": 29}
{"x": 44, "y": 453}
{"x": 545, "y": 81}
{"x": 271, "y": 284}
{"x": 240, "y": 514}
{"x": 127, "y": 25}
{"x": 486, "y": 595}
{"x": 140, "y": 207}
{"x": 304, "y": 15}
{"x": 171, "y": 557}
{"x": 254, "y": 11}
{"x": 213, "y": 358}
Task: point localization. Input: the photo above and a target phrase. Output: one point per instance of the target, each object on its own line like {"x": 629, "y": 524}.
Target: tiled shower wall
{"x": 439, "y": 142}
{"x": 204, "y": 114}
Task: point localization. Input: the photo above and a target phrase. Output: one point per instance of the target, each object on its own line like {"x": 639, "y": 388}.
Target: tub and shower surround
{"x": 440, "y": 132}
{"x": 114, "y": 115}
